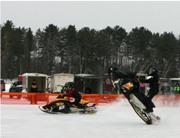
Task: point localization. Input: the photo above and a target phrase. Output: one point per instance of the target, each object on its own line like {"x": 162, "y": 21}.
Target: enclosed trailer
{"x": 88, "y": 83}
{"x": 174, "y": 82}
{"x": 58, "y": 80}
{"x": 42, "y": 81}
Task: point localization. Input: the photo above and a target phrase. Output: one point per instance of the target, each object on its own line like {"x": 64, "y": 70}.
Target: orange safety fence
{"x": 38, "y": 98}
{"x": 44, "y": 98}
{"x": 167, "y": 100}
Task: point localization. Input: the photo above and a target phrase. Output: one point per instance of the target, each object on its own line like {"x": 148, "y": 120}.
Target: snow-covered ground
{"x": 116, "y": 120}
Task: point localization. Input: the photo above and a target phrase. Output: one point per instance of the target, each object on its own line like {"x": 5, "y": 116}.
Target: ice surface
{"x": 116, "y": 120}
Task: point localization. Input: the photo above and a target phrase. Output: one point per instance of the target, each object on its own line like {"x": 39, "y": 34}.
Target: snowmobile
{"x": 125, "y": 86}
{"x": 66, "y": 105}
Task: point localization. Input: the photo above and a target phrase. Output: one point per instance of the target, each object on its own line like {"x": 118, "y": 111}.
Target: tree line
{"x": 68, "y": 50}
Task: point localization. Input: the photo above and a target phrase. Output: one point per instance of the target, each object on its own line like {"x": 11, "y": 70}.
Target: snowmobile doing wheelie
{"x": 127, "y": 84}
{"x": 65, "y": 105}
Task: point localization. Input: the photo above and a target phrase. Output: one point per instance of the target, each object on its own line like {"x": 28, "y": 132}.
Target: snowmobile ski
{"x": 141, "y": 113}
{"x": 47, "y": 111}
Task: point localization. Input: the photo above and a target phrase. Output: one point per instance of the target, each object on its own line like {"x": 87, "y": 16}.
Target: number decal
{"x": 61, "y": 107}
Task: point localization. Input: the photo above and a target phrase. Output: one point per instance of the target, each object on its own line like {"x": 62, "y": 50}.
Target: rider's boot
{"x": 154, "y": 116}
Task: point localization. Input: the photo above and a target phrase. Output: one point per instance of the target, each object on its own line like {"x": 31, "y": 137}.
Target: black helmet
{"x": 112, "y": 69}
{"x": 69, "y": 85}
{"x": 153, "y": 71}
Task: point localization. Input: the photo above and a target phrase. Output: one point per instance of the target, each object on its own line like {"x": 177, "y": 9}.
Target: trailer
{"x": 42, "y": 81}
{"x": 174, "y": 82}
{"x": 58, "y": 80}
{"x": 88, "y": 83}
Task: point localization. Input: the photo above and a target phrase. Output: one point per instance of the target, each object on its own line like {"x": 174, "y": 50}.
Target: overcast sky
{"x": 156, "y": 16}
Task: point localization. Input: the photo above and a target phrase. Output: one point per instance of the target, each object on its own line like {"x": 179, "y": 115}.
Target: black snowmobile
{"x": 139, "y": 102}
{"x": 64, "y": 105}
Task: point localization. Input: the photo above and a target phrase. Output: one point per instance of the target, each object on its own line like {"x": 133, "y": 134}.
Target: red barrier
{"x": 101, "y": 98}
{"x": 167, "y": 100}
{"x": 44, "y": 98}
{"x": 35, "y": 98}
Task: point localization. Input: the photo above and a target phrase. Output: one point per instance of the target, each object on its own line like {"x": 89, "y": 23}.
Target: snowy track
{"x": 111, "y": 121}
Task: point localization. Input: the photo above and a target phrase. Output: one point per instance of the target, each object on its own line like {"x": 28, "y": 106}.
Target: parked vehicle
{"x": 2, "y": 87}
{"x": 40, "y": 79}
{"x": 42, "y": 85}
{"x": 88, "y": 83}
{"x": 16, "y": 87}
{"x": 58, "y": 80}
{"x": 174, "y": 82}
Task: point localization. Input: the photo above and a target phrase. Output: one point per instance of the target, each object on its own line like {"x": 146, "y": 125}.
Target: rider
{"x": 71, "y": 92}
{"x": 132, "y": 77}
{"x": 153, "y": 82}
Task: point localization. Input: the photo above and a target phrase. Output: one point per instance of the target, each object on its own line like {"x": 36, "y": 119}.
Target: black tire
{"x": 142, "y": 114}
